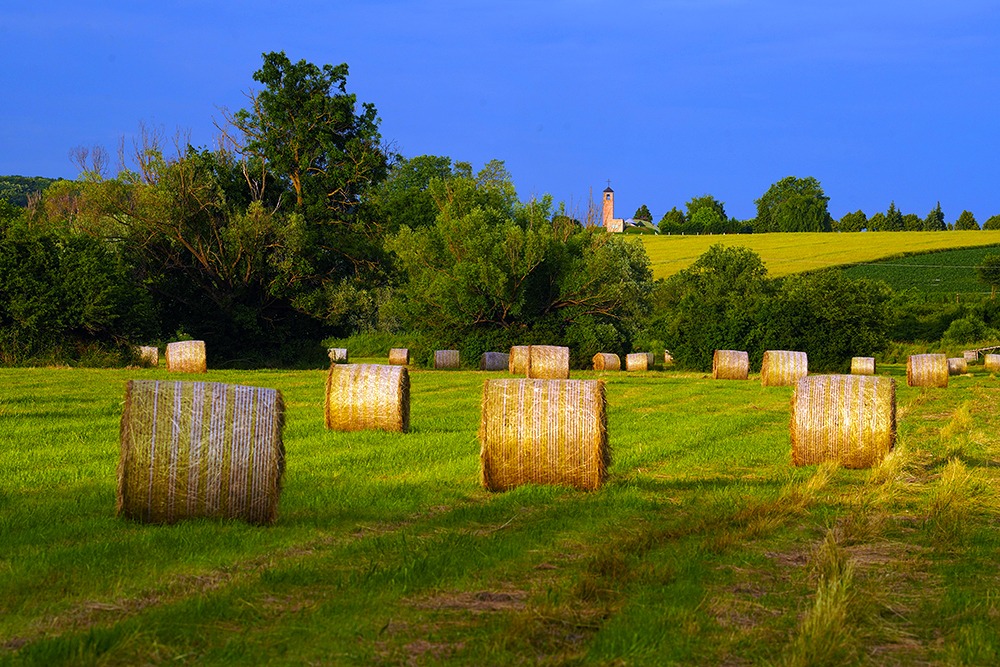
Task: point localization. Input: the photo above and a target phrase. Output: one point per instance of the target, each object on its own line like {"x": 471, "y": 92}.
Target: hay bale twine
{"x": 606, "y": 361}
{"x": 862, "y": 365}
{"x": 783, "y": 368}
{"x": 367, "y": 397}
{"x": 519, "y": 359}
{"x": 494, "y": 361}
{"x": 399, "y": 356}
{"x": 200, "y": 449}
{"x": 187, "y": 356}
{"x": 730, "y": 365}
{"x": 548, "y": 362}
{"x": 850, "y": 419}
{"x": 991, "y": 362}
{"x": 927, "y": 370}
{"x": 970, "y": 356}
{"x": 637, "y": 361}
{"x": 338, "y": 355}
{"x": 957, "y": 366}
{"x": 544, "y": 432}
{"x": 446, "y": 359}
{"x": 149, "y": 355}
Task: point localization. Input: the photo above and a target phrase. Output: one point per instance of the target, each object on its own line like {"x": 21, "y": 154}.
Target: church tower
{"x": 611, "y": 223}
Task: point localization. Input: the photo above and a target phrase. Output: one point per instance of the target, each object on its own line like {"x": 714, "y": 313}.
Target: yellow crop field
{"x": 798, "y": 252}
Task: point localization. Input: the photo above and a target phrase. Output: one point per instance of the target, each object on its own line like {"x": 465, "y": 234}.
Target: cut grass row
{"x": 705, "y": 547}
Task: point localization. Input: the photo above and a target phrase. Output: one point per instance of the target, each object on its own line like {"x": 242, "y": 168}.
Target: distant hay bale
{"x": 200, "y": 449}
{"x": 863, "y": 366}
{"x": 149, "y": 355}
{"x": 548, "y": 362}
{"x": 446, "y": 359}
{"x": 970, "y": 356}
{"x": 338, "y": 355}
{"x": 850, "y": 419}
{"x": 544, "y": 432}
{"x": 957, "y": 366}
{"x": 399, "y": 356}
{"x": 637, "y": 361}
{"x": 668, "y": 359}
{"x": 783, "y": 368}
{"x": 730, "y": 365}
{"x": 361, "y": 397}
{"x": 991, "y": 362}
{"x": 187, "y": 356}
{"x": 606, "y": 361}
{"x": 494, "y": 361}
{"x": 519, "y": 359}
{"x": 927, "y": 370}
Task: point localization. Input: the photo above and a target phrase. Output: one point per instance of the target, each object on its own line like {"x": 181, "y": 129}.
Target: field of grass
{"x": 946, "y": 272}
{"x": 705, "y": 546}
{"x": 794, "y": 253}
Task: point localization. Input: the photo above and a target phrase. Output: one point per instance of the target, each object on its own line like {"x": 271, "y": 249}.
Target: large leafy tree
{"x": 966, "y": 221}
{"x": 672, "y": 222}
{"x": 794, "y": 205}
{"x": 853, "y": 222}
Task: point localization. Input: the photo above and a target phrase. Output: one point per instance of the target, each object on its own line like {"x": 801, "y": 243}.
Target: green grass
{"x": 705, "y": 547}
{"x": 944, "y": 272}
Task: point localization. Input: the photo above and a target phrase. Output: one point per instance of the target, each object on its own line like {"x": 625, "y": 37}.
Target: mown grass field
{"x": 705, "y": 546}
{"x": 794, "y": 253}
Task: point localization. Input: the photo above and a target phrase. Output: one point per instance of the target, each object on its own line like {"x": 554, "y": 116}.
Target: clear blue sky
{"x": 669, "y": 99}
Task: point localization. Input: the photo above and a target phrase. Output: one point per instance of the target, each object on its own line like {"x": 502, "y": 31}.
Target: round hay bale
{"x": 862, "y": 365}
{"x": 548, "y": 362}
{"x": 399, "y": 356}
{"x": 730, "y": 365}
{"x": 519, "y": 359}
{"x": 606, "y": 361}
{"x": 782, "y": 368}
{"x": 957, "y": 366}
{"x": 148, "y": 355}
{"x": 991, "y": 362}
{"x": 850, "y": 419}
{"x": 446, "y": 359}
{"x": 970, "y": 356}
{"x": 544, "y": 432}
{"x": 361, "y": 397}
{"x": 494, "y": 361}
{"x": 187, "y": 356}
{"x": 338, "y": 355}
{"x": 200, "y": 449}
{"x": 637, "y": 361}
{"x": 927, "y": 370}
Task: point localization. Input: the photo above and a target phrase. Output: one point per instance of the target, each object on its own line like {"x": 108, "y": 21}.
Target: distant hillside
{"x": 16, "y": 189}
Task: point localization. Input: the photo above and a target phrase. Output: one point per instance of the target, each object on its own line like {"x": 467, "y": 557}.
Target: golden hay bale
{"x": 606, "y": 361}
{"x": 730, "y": 365}
{"x": 957, "y": 366}
{"x": 399, "y": 356}
{"x": 149, "y": 355}
{"x": 862, "y": 365}
{"x": 362, "y": 397}
{"x": 494, "y": 361}
{"x": 446, "y": 359}
{"x": 337, "y": 354}
{"x": 544, "y": 432}
{"x": 783, "y": 368}
{"x": 187, "y": 356}
{"x": 927, "y": 370}
{"x": 637, "y": 361}
{"x": 970, "y": 356}
{"x": 548, "y": 362}
{"x": 200, "y": 449}
{"x": 991, "y": 362}
{"x": 850, "y": 419}
{"x": 519, "y": 359}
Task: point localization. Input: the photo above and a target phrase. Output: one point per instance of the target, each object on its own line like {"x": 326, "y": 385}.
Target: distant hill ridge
{"x": 16, "y": 189}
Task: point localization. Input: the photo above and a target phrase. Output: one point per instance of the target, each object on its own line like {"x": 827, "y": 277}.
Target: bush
{"x": 967, "y": 329}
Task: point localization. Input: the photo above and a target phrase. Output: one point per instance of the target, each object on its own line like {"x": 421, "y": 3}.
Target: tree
{"x": 853, "y": 222}
{"x": 992, "y": 222}
{"x": 404, "y": 198}
{"x": 794, "y": 205}
{"x": 642, "y": 213}
{"x": 707, "y": 219}
{"x": 876, "y": 223}
{"x": 934, "y": 222}
{"x": 672, "y": 222}
{"x": 912, "y": 222}
{"x": 988, "y": 272}
{"x": 893, "y": 220}
{"x": 966, "y": 221}
{"x": 706, "y": 201}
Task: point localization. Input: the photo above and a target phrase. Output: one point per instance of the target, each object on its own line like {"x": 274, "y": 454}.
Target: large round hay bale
{"x": 927, "y": 370}
{"x": 730, "y": 365}
{"x": 186, "y": 356}
{"x": 991, "y": 362}
{"x": 850, "y": 419}
{"x": 637, "y": 361}
{"x": 519, "y": 359}
{"x": 543, "y": 432}
{"x": 970, "y": 356}
{"x": 362, "y": 397}
{"x": 957, "y": 366}
{"x": 548, "y": 362}
{"x": 494, "y": 361}
{"x": 446, "y": 359}
{"x": 862, "y": 365}
{"x": 606, "y": 361}
{"x": 783, "y": 368}
{"x": 338, "y": 355}
{"x": 399, "y": 356}
{"x": 200, "y": 449}
{"x": 149, "y": 355}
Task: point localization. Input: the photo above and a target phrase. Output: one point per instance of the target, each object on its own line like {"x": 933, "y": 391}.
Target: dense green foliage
{"x": 16, "y": 190}
{"x": 793, "y": 205}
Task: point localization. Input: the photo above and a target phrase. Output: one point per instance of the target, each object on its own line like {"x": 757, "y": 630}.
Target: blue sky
{"x": 669, "y": 99}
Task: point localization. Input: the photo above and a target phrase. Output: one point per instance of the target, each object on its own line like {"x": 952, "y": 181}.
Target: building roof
{"x": 608, "y": 189}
